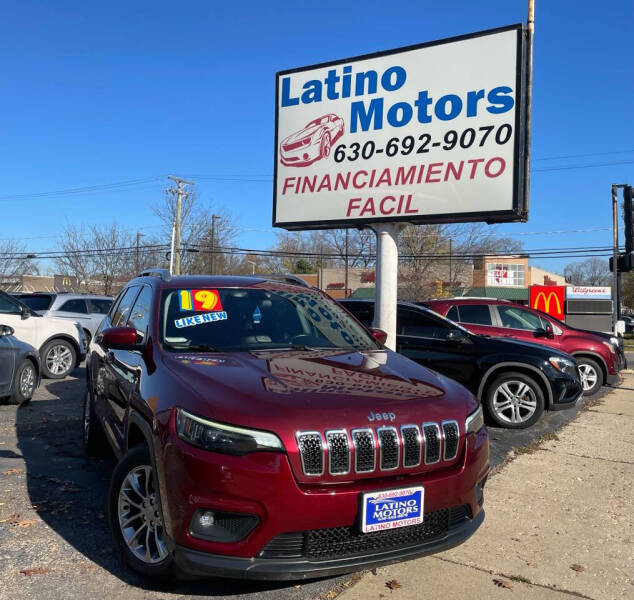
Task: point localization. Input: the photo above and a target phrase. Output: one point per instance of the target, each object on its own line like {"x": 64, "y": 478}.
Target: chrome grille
{"x": 364, "y": 450}
{"x": 431, "y": 435}
{"x": 385, "y": 448}
{"x": 451, "y": 434}
{"x": 389, "y": 448}
{"x": 311, "y": 451}
{"x": 412, "y": 446}
{"x": 338, "y": 452}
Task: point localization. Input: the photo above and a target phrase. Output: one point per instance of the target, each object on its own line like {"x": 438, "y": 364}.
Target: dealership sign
{"x": 580, "y": 292}
{"x": 549, "y": 299}
{"x": 427, "y": 133}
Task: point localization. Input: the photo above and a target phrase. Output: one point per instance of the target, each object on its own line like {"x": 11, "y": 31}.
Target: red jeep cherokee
{"x": 262, "y": 432}
{"x": 597, "y": 356}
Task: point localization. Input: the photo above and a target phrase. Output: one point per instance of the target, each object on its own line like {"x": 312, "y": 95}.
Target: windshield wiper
{"x": 194, "y": 347}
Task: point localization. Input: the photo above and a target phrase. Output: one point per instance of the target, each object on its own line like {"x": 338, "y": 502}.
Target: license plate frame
{"x": 392, "y": 508}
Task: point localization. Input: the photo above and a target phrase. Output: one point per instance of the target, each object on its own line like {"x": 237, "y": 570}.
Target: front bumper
{"x": 203, "y": 564}
{"x": 263, "y": 485}
{"x": 567, "y": 391}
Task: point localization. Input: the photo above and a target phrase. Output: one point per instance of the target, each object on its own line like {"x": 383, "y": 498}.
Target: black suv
{"x": 515, "y": 380}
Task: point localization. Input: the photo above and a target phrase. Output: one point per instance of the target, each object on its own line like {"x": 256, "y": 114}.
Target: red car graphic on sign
{"x": 311, "y": 143}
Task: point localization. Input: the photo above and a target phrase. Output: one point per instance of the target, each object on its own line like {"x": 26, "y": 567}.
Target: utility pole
{"x": 345, "y": 293}
{"x": 139, "y": 235}
{"x": 213, "y": 241}
{"x": 450, "y": 281}
{"x": 177, "y": 241}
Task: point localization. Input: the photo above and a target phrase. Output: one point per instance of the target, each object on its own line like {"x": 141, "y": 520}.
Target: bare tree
{"x": 201, "y": 239}
{"x": 98, "y": 256}
{"x": 592, "y": 272}
{"x": 14, "y": 262}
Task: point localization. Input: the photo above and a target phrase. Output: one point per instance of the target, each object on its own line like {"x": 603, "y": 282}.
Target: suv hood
{"x": 289, "y": 391}
{"x": 502, "y": 344}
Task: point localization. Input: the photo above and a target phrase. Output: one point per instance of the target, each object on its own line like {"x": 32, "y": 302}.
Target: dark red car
{"x": 263, "y": 433}
{"x": 598, "y": 356}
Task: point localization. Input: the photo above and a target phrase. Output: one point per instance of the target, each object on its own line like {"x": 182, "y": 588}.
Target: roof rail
{"x": 287, "y": 278}
{"x": 163, "y": 274}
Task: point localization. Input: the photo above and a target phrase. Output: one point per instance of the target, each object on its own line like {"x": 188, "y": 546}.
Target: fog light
{"x": 220, "y": 526}
{"x": 207, "y": 519}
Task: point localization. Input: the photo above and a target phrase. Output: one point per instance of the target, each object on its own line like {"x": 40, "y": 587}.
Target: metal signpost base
{"x": 386, "y": 279}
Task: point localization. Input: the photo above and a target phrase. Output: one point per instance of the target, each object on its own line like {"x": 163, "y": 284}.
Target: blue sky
{"x": 99, "y": 93}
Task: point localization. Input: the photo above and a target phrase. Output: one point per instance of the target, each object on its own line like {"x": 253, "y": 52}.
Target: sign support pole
{"x": 615, "y": 259}
{"x": 386, "y": 280}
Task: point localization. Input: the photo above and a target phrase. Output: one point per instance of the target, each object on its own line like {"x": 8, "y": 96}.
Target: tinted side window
{"x": 36, "y": 302}
{"x": 140, "y": 314}
{"x": 517, "y": 318}
{"x": 476, "y": 314}
{"x": 418, "y": 324}
{"x": 77, "y": 306}
{"x": 7, "y": 307}
{"x": 121, "y": 312}
{"x": 99, "y": 306}
{"x": 452, "y": 315}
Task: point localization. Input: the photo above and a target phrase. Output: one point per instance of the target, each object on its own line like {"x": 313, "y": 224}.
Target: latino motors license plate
{"x": 389, "y": 509}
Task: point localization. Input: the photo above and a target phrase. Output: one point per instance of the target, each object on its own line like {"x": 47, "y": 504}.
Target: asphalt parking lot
{"x": 54, "y": 539}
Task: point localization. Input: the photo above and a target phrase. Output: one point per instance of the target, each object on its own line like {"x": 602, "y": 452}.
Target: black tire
{"x": 24, "y": 383}
{"x": 591, "y": 375}
{"x": 58, "y": 347}
{"x": 524, "y": 396}
{"x": 95, "y": 442}
{"x": 138, "y": 458}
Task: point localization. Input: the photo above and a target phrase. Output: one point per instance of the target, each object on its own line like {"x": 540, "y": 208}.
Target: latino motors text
{"x": 366, "y": 115}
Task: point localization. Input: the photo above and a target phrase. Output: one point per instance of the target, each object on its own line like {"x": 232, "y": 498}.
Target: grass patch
{"x": 520, "y": 579}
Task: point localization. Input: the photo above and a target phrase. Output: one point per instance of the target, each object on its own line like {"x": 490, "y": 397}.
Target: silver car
{"x": 87, "y": 309}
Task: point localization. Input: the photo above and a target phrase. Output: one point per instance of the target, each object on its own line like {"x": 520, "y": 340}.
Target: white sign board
{"x": 574, "y": 292}
{"x": 429, "y": 133}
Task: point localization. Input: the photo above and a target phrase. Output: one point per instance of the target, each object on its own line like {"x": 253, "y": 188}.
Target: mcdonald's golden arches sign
{"x": 549, "y": 299}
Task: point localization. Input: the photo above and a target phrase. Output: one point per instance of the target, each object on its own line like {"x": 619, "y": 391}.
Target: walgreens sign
{"x": 421, "y": 134}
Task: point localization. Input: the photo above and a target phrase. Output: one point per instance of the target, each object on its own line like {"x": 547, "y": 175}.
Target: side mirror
{"x": 6, "y": 330}
{"x": 457, "y": 336}
{"x": 545, "y": 333}
{"x": 119, "y": 338}
{"x": 24, "y": 313}
{"x": 378, "y": 334}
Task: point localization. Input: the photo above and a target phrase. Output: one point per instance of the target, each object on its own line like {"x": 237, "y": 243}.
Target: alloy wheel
{"x": 27, "y": 381}
{"x": 514, "y": 402}
{"x": 589, "y": 376}
{"x": 140, "y": 516}
{"x": 59, "y": 359}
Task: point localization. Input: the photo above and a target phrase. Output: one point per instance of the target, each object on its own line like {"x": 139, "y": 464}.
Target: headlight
{"x": 219, "y": 437}
{"x": 475, "y": 421}
{"x": 563, "y": 364}
{"x": 609, "y": 346}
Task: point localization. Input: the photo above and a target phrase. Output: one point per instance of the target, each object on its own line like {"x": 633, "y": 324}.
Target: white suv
{"x": 61, "y": 343}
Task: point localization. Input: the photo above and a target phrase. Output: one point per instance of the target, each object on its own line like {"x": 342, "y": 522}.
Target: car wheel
{"x": 95, "y": 442}
{"x": 515, "y": 400}
{"x": 58, "y": 359}
{"x": 24, "y": 383}
{"x": 591, "y": 376}
{"x": 136, "y": 520}
{"x": 324, "y": 151}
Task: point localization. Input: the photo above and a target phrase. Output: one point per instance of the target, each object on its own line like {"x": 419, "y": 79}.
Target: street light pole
{"x": 213, "y": 242}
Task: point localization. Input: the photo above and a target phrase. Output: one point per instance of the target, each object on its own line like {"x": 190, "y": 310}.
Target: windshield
{"x": 37, "y": 302}
{"x": 254, "y": 318}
